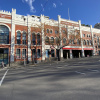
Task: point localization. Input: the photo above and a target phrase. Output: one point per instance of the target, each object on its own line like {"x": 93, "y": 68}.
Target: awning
{"x": 72, "y": 48}
{"x": 88, "y": 48}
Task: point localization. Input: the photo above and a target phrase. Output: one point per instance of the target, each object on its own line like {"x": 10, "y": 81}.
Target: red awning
{"x": 88, "y": 48}
{"x": 72, "y": 48}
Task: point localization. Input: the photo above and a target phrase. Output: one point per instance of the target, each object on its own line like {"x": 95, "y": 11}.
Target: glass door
{"x": 4, "y": 55}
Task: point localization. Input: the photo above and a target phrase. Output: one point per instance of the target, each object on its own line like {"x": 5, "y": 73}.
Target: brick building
{"x": 32, "y": 38}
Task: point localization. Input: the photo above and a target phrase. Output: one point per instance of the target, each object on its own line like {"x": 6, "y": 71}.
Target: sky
{"x": 88, "y": 11}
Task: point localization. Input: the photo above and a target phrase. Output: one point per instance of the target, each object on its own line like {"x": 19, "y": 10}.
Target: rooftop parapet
{"x": 5, "y": 12}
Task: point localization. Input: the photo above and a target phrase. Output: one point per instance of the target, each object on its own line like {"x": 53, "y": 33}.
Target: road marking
{"x": 80, "y": 72}
{"x": 3, "y": 77}
{"x": 93, "y": 70}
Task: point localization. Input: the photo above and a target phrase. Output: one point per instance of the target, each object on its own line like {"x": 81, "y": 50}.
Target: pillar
{"x": 70, "y": 54}
{"x": 12, "y": 35}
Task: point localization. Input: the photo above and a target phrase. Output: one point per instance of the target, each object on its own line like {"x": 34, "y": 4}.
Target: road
{"x": 76, "y": 79}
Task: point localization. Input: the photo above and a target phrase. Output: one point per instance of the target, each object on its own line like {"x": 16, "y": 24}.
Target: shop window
{"x": 18, "y": 53}
{"x": 24, "y": 53}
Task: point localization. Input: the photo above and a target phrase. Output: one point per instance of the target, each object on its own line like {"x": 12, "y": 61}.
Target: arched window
{"x": 33, "y": 39}
{"x": 47, "y": 30}
{"x": 4, "y": 35}
{"x": 70, "y": 41}
{"x": 52, "y": 40}
{"x": 64, "y": 41}
{"x": 24, "y": 38}
{"x": 87, "y": 42}
{"x": 46, "y": 39}
{"x": 18, "y": 37}
{"x": 38, "y": 39}
{"x": 84, "y": 42}
{"x": 90, "y": 42}
{"x": 73, "y": 42}
{"x": 78, "y": 42}
{"x": 50, "y": 31}
{"x": 57, "y": 40}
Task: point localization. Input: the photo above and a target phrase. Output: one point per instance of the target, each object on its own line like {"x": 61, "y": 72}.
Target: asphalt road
{"x": 76, "y": 79}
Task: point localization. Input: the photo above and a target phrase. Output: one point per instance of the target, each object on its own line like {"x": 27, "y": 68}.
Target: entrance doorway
{"x": 76, "y": 53}
{"x": 4, "y": 55}
{"x": 88, "y": 53}
{"x": 66, "y": 54}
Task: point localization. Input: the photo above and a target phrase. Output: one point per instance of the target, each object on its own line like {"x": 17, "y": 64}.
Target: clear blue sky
{"x": 88, "y": 11}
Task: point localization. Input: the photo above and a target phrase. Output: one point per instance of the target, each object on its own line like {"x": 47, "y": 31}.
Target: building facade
{"x": 36, "y": 38}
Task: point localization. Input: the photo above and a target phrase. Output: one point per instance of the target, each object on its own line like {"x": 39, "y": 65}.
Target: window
{"x": 24, "y": 53}
{"x": 90, "y": 42}
{"x": 38, "y": 53}
{"x": 83, "y": 35}
{"x": 57, "y": 40}
{"x": 87, "y": 42}
{"x": 73, "y": 42}
{"x": 56, "y": 32}
{"x": 50, "y": 31}
{"x": 18, "y": 37}
{"x": 33, "y": 39}
{"x": 17, "y": 53}
{"x": 38, "y": 39}
{"x": 70, "y": 41}
{"x": 24, "y": 38}
{"x": 87, "y": 35}
{"x": 78, "y": 42}
{"x": 84, "y": 42}
{"x": 94, "y": 35}
{"x": 46, "y": 39}
{"x": 63, "y": 31}
{"x": 4, "y": 35}
{"x": 52, "y": 40}
{"x": 47, "y": 30}
{"x": 64, "y": 41}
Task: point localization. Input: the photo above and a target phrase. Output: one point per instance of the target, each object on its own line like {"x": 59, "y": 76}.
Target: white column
{"x": 29, "y": 35}
{"x": 13, "y": 35}
{"x": 92, "y": 40}
{"x": 43, "y": 37}
{"x": 81, "y": 38}
{"x": 70, "y": 54}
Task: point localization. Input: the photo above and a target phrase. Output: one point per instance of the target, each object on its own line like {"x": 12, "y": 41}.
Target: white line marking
{"x": 3, "y": 77}
{"x": 93, "y": 70}
{"x": 80, "y": 72}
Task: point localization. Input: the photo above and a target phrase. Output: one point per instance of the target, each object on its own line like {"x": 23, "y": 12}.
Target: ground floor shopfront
{"x": 76, "y": 52}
